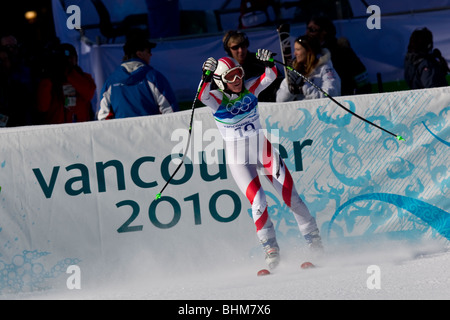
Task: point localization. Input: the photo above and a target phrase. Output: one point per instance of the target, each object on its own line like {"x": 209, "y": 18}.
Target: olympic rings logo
{"x": 240, "y": 106}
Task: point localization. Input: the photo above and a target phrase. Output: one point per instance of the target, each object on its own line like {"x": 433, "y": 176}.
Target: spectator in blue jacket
{"x": 135, "y": 88}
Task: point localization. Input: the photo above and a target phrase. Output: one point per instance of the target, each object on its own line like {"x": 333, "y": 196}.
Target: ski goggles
{"x": 234, "y": 73}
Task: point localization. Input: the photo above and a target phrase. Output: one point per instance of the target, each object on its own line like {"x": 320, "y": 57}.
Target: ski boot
{"x": 314, "y": 241}
{"x": 272, "y": 251}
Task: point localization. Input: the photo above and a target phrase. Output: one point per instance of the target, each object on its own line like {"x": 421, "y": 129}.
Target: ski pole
{"x": 399, "y": 138}
{"x": 158, "y": 195}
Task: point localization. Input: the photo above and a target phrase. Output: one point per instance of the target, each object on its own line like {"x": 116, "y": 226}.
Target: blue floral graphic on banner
{"x": 433, "y": 216}
{"x": 26, "y": 274}
{"x": 355, "y": 183}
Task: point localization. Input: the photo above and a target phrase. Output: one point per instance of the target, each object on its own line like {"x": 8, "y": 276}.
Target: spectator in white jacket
{"x": 315, "y": 64}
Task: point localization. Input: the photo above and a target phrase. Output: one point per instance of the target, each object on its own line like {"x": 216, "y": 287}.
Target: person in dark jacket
{"x": 17, "y": 90}
{"x": 424, "y": 67}
{"x": 353, "y": 73}
{"x": 235, "y": 44}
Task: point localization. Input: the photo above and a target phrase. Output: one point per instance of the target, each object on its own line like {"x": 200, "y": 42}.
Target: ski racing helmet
{"x": 224, "y": 72}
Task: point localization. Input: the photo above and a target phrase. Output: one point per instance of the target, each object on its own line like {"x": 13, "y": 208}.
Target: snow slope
{"x": 201, "y": 252}
{"x": 407, "y": 271}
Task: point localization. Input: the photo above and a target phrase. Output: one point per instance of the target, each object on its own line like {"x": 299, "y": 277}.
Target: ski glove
{"x": 209, "y": 65}
{"x": 265, "y": 56}
{"x": 295, "y": 82}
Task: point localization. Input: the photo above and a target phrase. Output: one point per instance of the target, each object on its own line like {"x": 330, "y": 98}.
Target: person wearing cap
{"x": 135, "y": 88}
{"x": 65, "y": 90}
{"x": 235, "y": 44}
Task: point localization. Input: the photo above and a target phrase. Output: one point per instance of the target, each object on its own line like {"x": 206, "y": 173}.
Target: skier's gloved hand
{"x": 295, "y": 82}
{"x": 265, "y": 56}
{"x": 209, "y": 65}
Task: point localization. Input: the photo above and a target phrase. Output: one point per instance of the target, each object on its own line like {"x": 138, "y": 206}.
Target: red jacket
{"x": 63, "y": 107}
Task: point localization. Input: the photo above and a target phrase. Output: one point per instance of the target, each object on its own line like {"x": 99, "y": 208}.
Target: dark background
{"x": 12, "y": 20}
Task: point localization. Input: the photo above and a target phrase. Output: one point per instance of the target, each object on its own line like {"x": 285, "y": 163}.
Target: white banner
{"x": 84, "y": 194}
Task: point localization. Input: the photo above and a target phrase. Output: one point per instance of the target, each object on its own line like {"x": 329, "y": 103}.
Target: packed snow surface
{"x": 388, "y": 270}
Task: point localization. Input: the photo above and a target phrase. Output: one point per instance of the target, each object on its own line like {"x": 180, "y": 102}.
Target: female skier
{"x": 235, "y": 108}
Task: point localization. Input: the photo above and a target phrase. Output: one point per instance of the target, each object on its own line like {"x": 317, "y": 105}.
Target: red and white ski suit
{"x": 250, "y": 154}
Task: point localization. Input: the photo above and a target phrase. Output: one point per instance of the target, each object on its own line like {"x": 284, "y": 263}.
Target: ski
{"x": 263, "y": 272}
{"x": 305, "y": 265}
{"x": 285, "y": 44}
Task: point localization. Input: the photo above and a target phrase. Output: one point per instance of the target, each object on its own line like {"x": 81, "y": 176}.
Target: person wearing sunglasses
{"x": 249, "y": 153}
{"x": 315, "y": 64}
{"x": 236, "y": 45}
